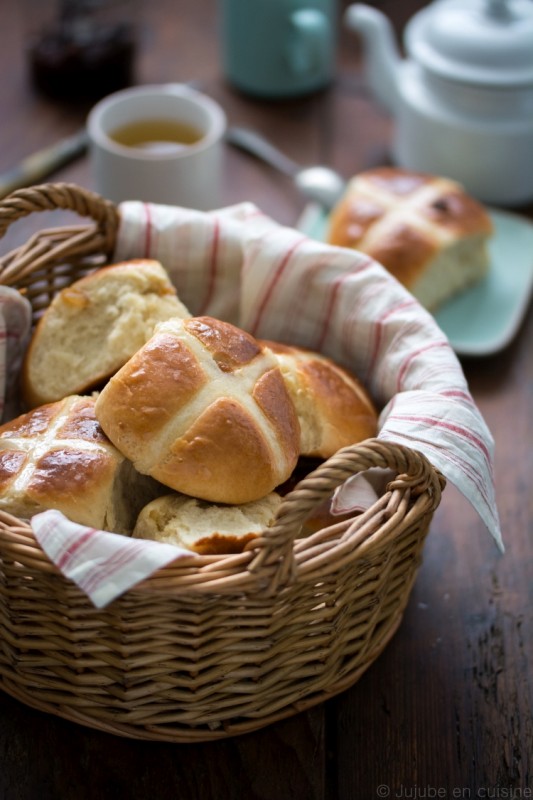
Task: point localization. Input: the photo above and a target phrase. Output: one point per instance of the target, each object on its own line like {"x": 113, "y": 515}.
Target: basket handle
{"x": 275, "y": 546}
{"x": 78, "y": 241}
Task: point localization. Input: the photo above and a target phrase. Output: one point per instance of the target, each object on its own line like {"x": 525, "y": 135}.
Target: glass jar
{"x": 81, "y": 50}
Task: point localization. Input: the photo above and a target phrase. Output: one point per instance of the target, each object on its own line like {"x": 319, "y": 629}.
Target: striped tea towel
{"x": 102, "y": 564}
{"x": 239, "y": 265}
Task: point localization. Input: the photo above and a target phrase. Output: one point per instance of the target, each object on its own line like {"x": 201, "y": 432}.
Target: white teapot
{"x": 462, "y": 99}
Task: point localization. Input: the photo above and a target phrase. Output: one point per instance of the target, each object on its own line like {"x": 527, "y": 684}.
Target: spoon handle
{"x": 253, "y": 143}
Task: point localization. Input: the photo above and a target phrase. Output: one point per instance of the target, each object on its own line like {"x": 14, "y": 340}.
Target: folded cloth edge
{"x": 103, "y": 565}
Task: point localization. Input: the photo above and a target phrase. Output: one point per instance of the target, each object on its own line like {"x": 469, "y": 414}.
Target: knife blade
{"x": 37, "y": 166}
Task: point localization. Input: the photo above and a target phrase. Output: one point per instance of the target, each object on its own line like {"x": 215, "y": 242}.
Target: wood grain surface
{"x": 447, "y": 710}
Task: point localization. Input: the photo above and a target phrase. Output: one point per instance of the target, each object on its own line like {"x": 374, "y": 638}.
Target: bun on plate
{"x": 57, "y": 456}
{"x": 426, "y": 230}
{"x": 92, "y": 327}
{"x": 202, "y": 407}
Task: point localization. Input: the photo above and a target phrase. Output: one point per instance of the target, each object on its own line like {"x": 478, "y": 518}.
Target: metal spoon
{"x": 320, "y": 184}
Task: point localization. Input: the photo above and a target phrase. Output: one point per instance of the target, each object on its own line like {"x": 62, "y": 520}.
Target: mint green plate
{"x": 484, "y": 319}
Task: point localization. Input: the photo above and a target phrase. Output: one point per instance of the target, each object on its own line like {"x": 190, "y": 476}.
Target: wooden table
{"x": 446, "y": 711}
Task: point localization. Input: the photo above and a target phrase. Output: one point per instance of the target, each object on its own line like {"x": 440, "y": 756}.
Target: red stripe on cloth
{"x": 274, "y": 282}
{"x": 63, "y": 560}
{"x": 147, "y": 230}
{"x": 121, "y": 558}
{"x": 459, "y": 394}
{"x": 436, "y": 422}
{"x": 350, "y": 327}
{"x": 332, "y": 300}
{"x": 46, "y": 530}
{"x": 213, "y": 266}
{"x": 377, "y": 329}
{"x": 412, "y": 355}
{"x": 301, "y": 299}
{"x": 466, "y": 469}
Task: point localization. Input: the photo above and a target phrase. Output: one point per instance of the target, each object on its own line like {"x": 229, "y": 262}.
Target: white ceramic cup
{"x": 188, "y": 175}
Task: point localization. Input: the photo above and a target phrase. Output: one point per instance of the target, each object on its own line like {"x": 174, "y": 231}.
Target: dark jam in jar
{"x": 80, "y": 57}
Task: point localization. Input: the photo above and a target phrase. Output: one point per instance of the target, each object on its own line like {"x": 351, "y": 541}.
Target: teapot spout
{"x": 380, "y": 51}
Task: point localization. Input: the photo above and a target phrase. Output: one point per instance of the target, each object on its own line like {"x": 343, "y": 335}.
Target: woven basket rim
{"x": 278, "y": 555}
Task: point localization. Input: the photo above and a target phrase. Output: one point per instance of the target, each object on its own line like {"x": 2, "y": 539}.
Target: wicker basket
{"x": 211, "y": 646}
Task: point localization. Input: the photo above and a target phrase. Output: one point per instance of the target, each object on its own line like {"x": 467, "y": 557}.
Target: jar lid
{"x": 488, "y": 42}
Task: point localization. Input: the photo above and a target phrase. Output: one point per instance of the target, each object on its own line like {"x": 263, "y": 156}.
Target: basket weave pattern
{"x": 209, "y": 646}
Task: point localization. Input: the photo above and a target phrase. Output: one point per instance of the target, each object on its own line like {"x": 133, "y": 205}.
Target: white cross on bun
{"x": 202, "y": 407}
{"x": 57, "y": 456}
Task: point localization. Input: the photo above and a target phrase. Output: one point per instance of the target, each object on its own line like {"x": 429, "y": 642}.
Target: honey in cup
{"x": 156, "y": 135}
{"x": 158, "y": 144}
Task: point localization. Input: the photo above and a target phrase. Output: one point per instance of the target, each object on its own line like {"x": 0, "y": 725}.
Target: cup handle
{"x": 309, "y": 46}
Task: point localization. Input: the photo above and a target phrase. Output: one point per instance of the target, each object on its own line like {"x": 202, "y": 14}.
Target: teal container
{"x": 278, "y": 48}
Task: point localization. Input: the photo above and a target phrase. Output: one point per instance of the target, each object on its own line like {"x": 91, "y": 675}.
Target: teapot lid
{"x": 483, "y": 42}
